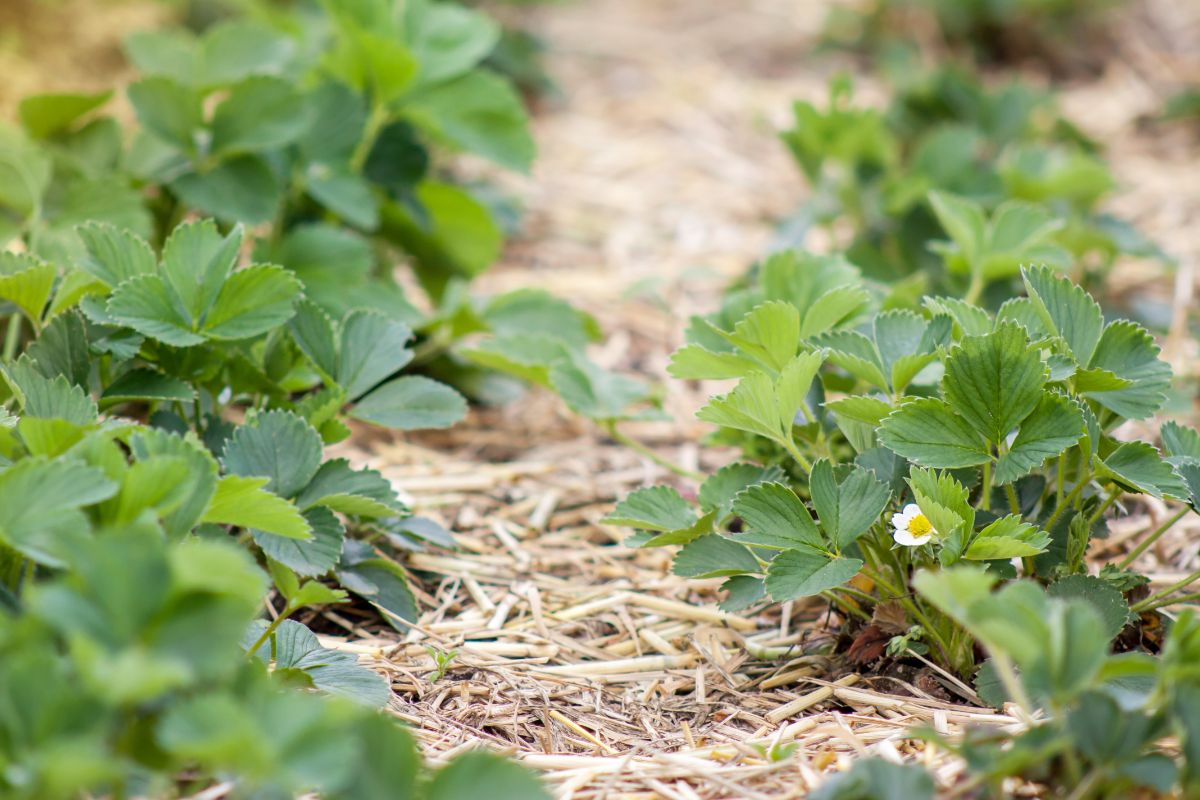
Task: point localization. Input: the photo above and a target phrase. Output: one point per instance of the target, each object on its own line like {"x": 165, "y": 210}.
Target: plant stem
{"x": 12, "y": 337}
{"x": 790, "y": 445}
{"x": 375, "y": 122}
{"x": 1013, "y": 503}
{"x": 1152, "y": 538}
{"x": 1170, "y": 601}
{"x": 1012, "y": 684}
{"x": 665, "y": 463}
{"x": 1061, "y": 478}
{"x": 1113, "y": 493}
{"x": 976, "y": 286}
{"x": 985, "y": 497}
{"x": 840, "y": 602}
{"x": 270, "y": 629}
{"x": 1071, "y": 498}
{"x": 1153, "y": 601}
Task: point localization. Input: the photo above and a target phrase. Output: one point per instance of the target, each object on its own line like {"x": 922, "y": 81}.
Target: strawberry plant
{"x": 920, "y": 440}
{"x": 323, "y": 130}
{"x": 887, "y": 182}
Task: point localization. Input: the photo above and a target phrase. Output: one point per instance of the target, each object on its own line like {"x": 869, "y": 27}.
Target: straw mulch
{"x": 659, "y": 179}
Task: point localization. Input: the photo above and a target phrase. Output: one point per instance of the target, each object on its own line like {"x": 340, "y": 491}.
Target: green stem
{"x": 1071, "y": 498}
{"x": 1153, "y": 600}
{"x": 913, "y": 609}
{"x": 1012, "y": 684}
{"x": 1014, "y": 504}
{"x": 379, "y": 117}
{"x": 790, "y": 445}
{"x": 1113, "y": 493}
{"x": 975, "y": 288}
{"x": 1061, "y": 478}
{"x": 833, "y": 598}
{"x": 270, "y": 629}
{"x": 634, "y": 444}
{"x": 985, "y": 499}
{"x": 13, "y": 337}
{"x": 1170, "y": 601}
{"x": 1152, "y": 538}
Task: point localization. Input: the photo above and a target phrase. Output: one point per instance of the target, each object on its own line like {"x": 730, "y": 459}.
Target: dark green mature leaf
{"x": 259, "y": 114}
{"x": 114, "y": 255}
{"x": 373, "y": 348}
{"x": 169, "y": 110}
{"x": 1128, "y": 351}
{"x": 39, "y": 506}
{"x": 312, "y": 557}
{"x": 62, "y": 349}
{"x": 333, "y": 671}
{"x": 719, "y": 489}
{"x": 145, "y": 304}
{"x": 276, "y": 445}
{"x": 1139, "y": 467}
{"x": 145, "y": 384}
{"x": 656, "y": 508}
{"x": 48, "y": 398}
{"x": 1067, "y": 310}
{"x": 252, "y": 302}
{"x": 714, "y": 556}
{"x": 412, "y": 402}
{"x": 1105, "y": 598}
{"x": 239, "y": 189}
{"x": 994, "y": 381}
{"x": 481, "y": 113}
{"x": 742, "y": 591}
{"x": 801, "y": 573}
{"x": 930, "y": 433}
{"x": 594, "y": 392}
{"x": 847, "y": 509}
{"x": 775, "y": 517}
{"x": 1056, "y": 424}
{"x": 1180, "y": 441}
{"x": 380, "y": 581}
{"x": 360, "y": 493}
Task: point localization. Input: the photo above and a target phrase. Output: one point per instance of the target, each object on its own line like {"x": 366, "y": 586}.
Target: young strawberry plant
{"x": 998, "y": 171}
{"x": 920, "y": 440}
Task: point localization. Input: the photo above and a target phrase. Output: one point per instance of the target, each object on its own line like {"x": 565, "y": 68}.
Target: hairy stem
{"x": 1071, "y": 498}
{"x": 1154, "y": 600}
{"x": 1152, "y": 538}
{"x": 665, "y": 463}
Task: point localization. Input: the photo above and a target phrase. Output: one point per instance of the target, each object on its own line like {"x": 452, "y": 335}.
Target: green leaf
{"x": 311, "y": 558}
{"x": 412, "y": 402}
{"x": 448, "y": 40}
{"x": 776, "y": 518}
{"x": 1101, "y": 595}
{"x": 62, "y": 349}
{"x": 1007, "y": 537}
{"x": 694, "y": 362}
{"x": 1067, "y": 310}
{"x": 159, "y": 483}
{"x": 802, "y": 573}
{"x": 26, "y": 282}
{"x": 877, "y": 779}
{"x": 346, "y": 194}
{"x": 595, "y": 393}
{"x": 373, "y": 348}
{"x": 1128, "y": 351}
{"x": 1180, "y": 441}
{"x": 142, "y": 384}
{"x": 44, "y": 115}
{"x": 930, "y": 433}
{"x": 245, "y": 503}
{"x": 655, "y": 508}
{"x": 847, "y": 509}
{"x": 316, "y": 335}
{"x": 114, "y": 255}
{"x": 994, "y": 381}
{"x": 239, "y": 189}
{"x": 963, "y": 220}
{"x": 719, "y": 489}
{"x": 332, "y": 671}
{"x": 202, "y": 469}
{"x": 742, "y": 591}
{"x": 1056, "y": 424}
{"x": 505, "y": 779}
{"x": 361, "y": 493}
{"x": 253, "y": 301}
{"x": 380, "y": 581}
{"x": 529, "y": 357}
{"x": 40, "y": 502}
{"x": 259, "y": 114}
{"x": 196, "y": 262}
{"x": 48, "y": 398}
{"x": 769, "y": 333}
{"x": 278, "y": 446}
{"x": 1138, "y": 467}
{"x": 146, "y": 304}
{"x": 714, "y": 556}
{"x": 167, "y": 109}
{"x": 479, "y": 112}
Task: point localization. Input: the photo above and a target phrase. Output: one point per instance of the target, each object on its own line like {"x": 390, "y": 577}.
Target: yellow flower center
{"x": 919, "y": 525}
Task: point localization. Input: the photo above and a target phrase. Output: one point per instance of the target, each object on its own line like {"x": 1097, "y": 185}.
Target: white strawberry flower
{"x": 912, "y": 527}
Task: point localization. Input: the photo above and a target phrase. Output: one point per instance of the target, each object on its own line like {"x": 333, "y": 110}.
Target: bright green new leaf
{"x": 26, "y": 282}
{"x": 1007, "y": 537}
{"x": 1128, "y": 351}
{"x": 44, "y": 115}
{"x": 1067, "y": 310}
{"x": 246, "y": 503}
{"x": 714, "y": 556}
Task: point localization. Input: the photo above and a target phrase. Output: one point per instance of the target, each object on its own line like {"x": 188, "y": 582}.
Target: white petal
{"x": 912, "y": 509}
{"x": 900, "y": 522}
{"x": 907, "y": 539}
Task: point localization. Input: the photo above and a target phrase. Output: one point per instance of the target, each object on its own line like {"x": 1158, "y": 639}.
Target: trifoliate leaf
{"x": 278, "y": 446}
{"x": 412, "y": 402}
{"x": 1128, "y": 351}
{"x": 1180, "y": 441}
{"x": 994, "y": 381}
{"x": 332, "y": 671}
{"x": 312, "y": 557}
{"x": 719, "y": 489}
{"x": 802, "y": 573}
{"x": 26, "y": 282}
{"x": 48, "y": 398}
{"x": 479, "y": 112}
{"x": 252, "y": 302}
{"x": 596, "y": 393}
{"x": 1138, "y": 467}
{"x": 148, "y": 443}
{"x": 847, "y": 509}
{"x": 1067, "y": 310}
{"x": 44, "y": 115}
{"x": 930, "y": 433}
{"x": 260, "y": 113}
{"x": 39, "y": 506}
{"x": 776, "y": 518}
{"x": 1054, "y": 425}
{"x": 714, "y": 556}
{"x": 769, "y": 333}
{"x": 656, "y": 508}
